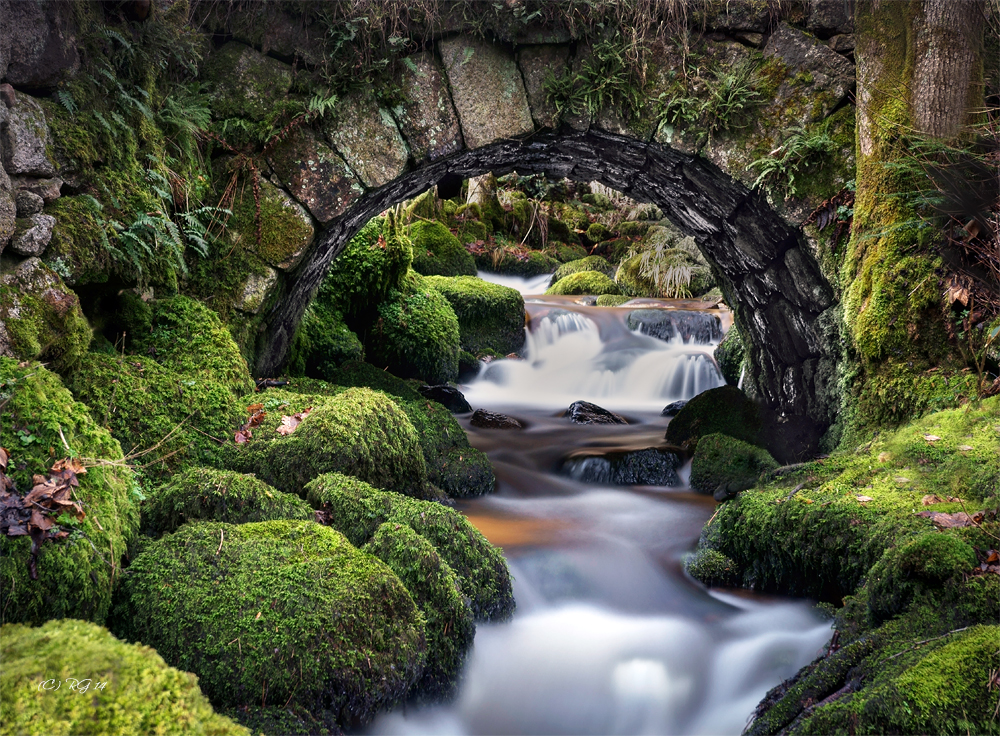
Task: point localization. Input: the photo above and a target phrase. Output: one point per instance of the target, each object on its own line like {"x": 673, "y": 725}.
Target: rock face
{"x": 698, "y": 327}
{"x": 487, "y": 89}
{"x": 427, "y": 118}
{"x": 491, "y": 420}
{"x": 246, "y": 82}
{"x": 583, "y": 412}
{"x": 368, "y": 139}
{"x": 649, "y": 467}
{"x": 315, "y": 175}
{"x": 537, "y": 63}
{"x": 673, "y": 409}
{"x": 26, "y": 138}
{"x": 452, "y": 399}
{"x": 38, "y": 46}
{"x": 32, "y": 235}
{"x": 256, "y": 290}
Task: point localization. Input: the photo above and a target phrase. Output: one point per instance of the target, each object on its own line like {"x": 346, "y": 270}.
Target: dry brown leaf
{"x": 4, "y": 458}
{"x": 929, "y": 499}
{"x": 931, "y": 437}
{"x": 290, "y": 423}
{"x": 948, "y": 521}
{"x": 884, "y": 457}
{"x": 864, "y": 499}
{"x": 965, "y": 448}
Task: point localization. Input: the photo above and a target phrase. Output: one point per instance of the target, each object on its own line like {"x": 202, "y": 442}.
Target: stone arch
{"x": 472, "y": 107}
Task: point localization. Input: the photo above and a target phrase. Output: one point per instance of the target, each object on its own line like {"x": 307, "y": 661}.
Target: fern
{"x": 66, "y": 100}
{"x": 802, "y": 149}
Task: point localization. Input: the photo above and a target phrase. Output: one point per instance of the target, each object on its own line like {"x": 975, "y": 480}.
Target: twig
{"x": 65, "y": 443}
{"x": 795, "y": 490}
{"x": 206, "y": 434}
{"x": 925, "y": 641}
{"x": 976, "y": 523}
{"x": 222, "y": 535}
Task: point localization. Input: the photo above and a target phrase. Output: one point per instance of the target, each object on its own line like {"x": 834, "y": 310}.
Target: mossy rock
{"x": 372, "y": 265}
{"x": 635, "y": 281}
{"x": 172, "y": 419}
{"x": 526, "y": 265}
{"x": 563, "y": 232}
{"x": 286, "y": 229}
{"x": 721, "y": 462}
{"x": 725, "y": 410}
{"x": 358, "y": 432}
{"x": 599, "y": 232}
{"x": 40, "y": 318}
{"x": 730, "y": 354}
{"x": 76, "y": 250}
{"x": 452, "y": 464}
{"x": 633, "y": 229}
{"x": 612, "y": 300}
{"x": 276, "y": 720}
{"x": 711, "y": 567}
{"x": 123, "y": 688}
{"x": 598, "y": 200}
{"x": 584, "y": 282}
{"x": 357, "y": 510}
{"x": 490, "y": 316}
{"x": 322, "y": 342}
{"x": 286, "y": 610}
{"x": 74, "y": 575}
{"x": 207, "y": 494}
{"x": 437, "y": 591}
{"x": 568, "y": 253}
{"x": 902, "y": 574}
{"x": 590, "y": 263}
{"x": 472, "y": 230}
{"x": 186, "y": 336}
{"x": 245, "y": 82}
{"x": 436, "y": 252}
{"x": 416, "y": 335}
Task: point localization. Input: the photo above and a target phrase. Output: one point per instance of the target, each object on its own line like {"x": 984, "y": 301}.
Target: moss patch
{"x": 725, "y": 410}
{"x": 590, "y": 263}
{"x": 436, "y": 252}
{"x": 322, "y": 342}
{"x": 281, "y": 611}
{"x": 357, "y": 510}
{"x": 584, "y": 282}
{"x": 490, "y": 316}
{"x": 75, "y": 575}
{"x": 122, "y": 689}
{"x": 721, "y": 461}
{"x": 206, "y": 494}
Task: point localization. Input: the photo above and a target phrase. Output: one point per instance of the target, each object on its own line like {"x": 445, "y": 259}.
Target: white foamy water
{"x": 567, "y": 359}
{"x": 529, "y": 285}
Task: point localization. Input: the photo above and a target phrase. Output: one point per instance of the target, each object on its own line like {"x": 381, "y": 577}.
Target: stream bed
{"x": 610, "y": 635}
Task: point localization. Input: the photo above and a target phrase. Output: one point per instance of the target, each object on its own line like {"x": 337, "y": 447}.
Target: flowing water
{"x": 610, "y": 635}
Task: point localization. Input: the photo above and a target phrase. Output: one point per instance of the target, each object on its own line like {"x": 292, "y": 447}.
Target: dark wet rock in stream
{"x": 699, "y": 327}
{"x": 672, "y": 409}
{"x": 491, "y": 420}
{"x": 583, "y": 412}
{"x": 452, "y": 399}
{"x": 649, "y": 467}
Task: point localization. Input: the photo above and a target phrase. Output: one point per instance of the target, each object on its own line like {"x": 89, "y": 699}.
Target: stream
{"x": 610, "y": 635}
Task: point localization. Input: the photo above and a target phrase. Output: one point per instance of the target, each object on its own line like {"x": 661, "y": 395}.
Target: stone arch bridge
{"x": 474, "y": 107}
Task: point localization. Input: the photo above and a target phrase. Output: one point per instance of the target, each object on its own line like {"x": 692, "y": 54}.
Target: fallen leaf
{"x": 4, "y": 458}
{"x": 884, "y": 457}
{"x": 947, "y": 521}
{"x": 900, "y": 479}
{"x": 863, "y": 499}
{"x": 259, "y": 614}
{"x": 929, "y": 499}
{"x": 992, "y": 557}
{"x": 931, "y": 437}
{"x": 289, "y": 423}
{"x": 965, "y": 448}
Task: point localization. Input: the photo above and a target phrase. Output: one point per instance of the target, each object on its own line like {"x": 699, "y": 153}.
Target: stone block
{"x": 315, "y": 175}
{"x": 28, "y": 203}
{"x": 256, "y": 290}
{"x": 32, "y": 234}
{"x": 427, "y": 119}
{"x": 245, "y": 83}
{"x": 25, "y": 140}
{"x": 487, "y": 90}
{"x": 816, "y": 73}
{"x": 829, "y": 17}
{"x": 38, "y": 47}
{"x": 48, "y": 189}
{"x": 367, "y": 138}
{"x": 8, "y": 215}
{"x": 536, "y": 64}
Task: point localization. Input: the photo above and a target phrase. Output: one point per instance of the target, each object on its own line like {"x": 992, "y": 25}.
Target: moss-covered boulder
{"x": 42, "y": 423}
{"x": 471, "y": 230}
{"x": 207, "y": 494}
{"x": 286, "y": 611}
{"x": 357, "y": 510}
{"x": 167, "y": 419}
{"x": 74, "y": 677}
{"x": 598, "y": 232}
{"x": 186, "y": 336}
{"x": 286, "y": 229}
{"x": 437, "y": 591}
{"x": 416, "y": 335}
{"x": 322, "y": 342}
{"x": 453, "y": 465}
{"x": 246, "y": 83}
{"x": 689, "y": 277}
{"x": 711, "y": 567}
{"x": 490, "y": 316}
{"x": 566, "y": 253}
{"x": 41, "y": 319}
{"x": 724, "y": 466}
{"x": 590, "y": 263}
{"x": 358, "y": 432}
{"x": 436, "y": 252}
{"x": 725, "y": 410}
{"x": 729, "y": 354}
{"x": 584, "y": 282}
{"x": 517, "y": 263}
{"x": 612, "y": 300}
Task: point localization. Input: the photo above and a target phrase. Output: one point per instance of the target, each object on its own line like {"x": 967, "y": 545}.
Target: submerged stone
{"x": 649, "y": 467}
{"x": 701, "y": 328}
{"x": 583, "y": 412}
{"x": 492, "y": 420}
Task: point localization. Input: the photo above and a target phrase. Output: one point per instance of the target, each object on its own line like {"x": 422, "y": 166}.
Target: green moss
{"x": 711, "y": 567}
{"x": 358, "y": 432}
{"x": 437, "y": 591}
{"x": 365, "y": 375}
{"x": 75, "y": 575}
{"x": 77, "y": 250}
{"x": 322, "y": 342}
{"x": 599, "y": 232}
{"x": 730, "y": 354}
{"x": 416, "y": 335}
{"x": 246, "y": 83}
{"x": 567, "y": 253}
{"x": 206, "y": 494}
{"x": 168, "y": 420}
{"x": 722, "y": 461}
{"x": 285, "y": 231}
{"x": 436, "y": 252}
{"x": 121, "y": 689}
{"x": 275, "y": 720}
{"x": 472, "y": 230}
{"x": 357, "y": 510}
{"x": 187, "y": 337}
{"x": 561, "y": 231}
{"x": 590, "y": 263}
{"x": 633, "y": 229}
{"x": 518, "y": 263}
{"x": 584, "y": 282}
{"x": 490, "y": 316}
{"x": 612, "y": 300}
{"x": 725, "y": 410}
{"x": 43, "y": 319}
{"x": 276, "y": 611}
